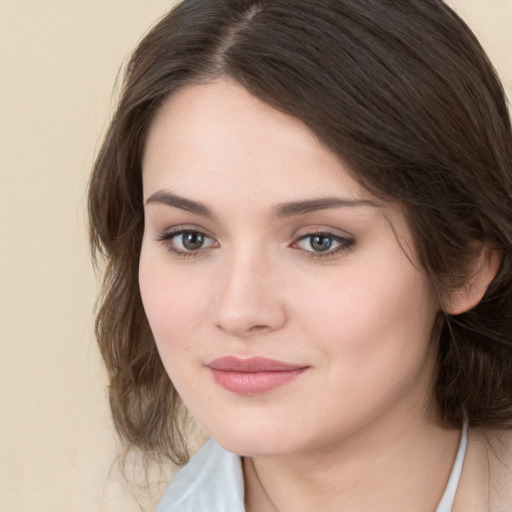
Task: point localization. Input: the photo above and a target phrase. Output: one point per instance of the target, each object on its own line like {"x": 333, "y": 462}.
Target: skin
{"x": 485, "y": 484}
{"x": 354, "y": 431}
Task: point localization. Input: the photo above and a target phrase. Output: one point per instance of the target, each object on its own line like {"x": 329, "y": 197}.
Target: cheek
{"x": 373, "y": 330}
{"x": 173, "y": 301}
{"x": 175, "y": 304}
{"x": 372, "y": 315}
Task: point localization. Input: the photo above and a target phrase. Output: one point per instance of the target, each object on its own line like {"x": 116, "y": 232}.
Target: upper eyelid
{"x": 344, "y": 236}
{"x": 340, "y": 238}
{"x": 176, "y": 230}
{"x": 300, "y": 233}
{"x": 168, "y": 234}
{"x": 322, "y": 229}
{"x": 307, "y": 231}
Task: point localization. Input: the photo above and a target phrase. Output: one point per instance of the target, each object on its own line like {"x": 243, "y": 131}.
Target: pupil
{"x": 193, "y": 241}
{"x": 321, "y": 243}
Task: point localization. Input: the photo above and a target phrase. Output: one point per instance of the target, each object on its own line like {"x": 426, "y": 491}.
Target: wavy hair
{"x": 402, "y": 91}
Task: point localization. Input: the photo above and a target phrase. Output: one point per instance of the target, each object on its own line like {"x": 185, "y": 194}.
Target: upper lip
{"x": 251, "y": 365}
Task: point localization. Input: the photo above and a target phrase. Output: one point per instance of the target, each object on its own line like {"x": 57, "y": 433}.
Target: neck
{"x": 394, "y": 466}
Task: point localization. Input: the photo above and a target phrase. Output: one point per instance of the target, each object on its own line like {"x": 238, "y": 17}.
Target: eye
{"x": 319, "y": 244}
{"x": 186, "y": 242}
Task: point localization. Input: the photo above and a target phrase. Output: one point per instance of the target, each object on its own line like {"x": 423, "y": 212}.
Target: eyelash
{"x": 168, "y": 238}
{"x": 344, "y": 244}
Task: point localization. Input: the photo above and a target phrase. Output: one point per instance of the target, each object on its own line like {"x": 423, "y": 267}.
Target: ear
{"x": 485, "y": 268}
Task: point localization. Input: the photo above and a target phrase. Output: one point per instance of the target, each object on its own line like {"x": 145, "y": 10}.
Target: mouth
{"x": 253, "y": 376}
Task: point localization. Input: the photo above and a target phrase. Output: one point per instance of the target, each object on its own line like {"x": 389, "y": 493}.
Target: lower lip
{"x": 254, "y": 383}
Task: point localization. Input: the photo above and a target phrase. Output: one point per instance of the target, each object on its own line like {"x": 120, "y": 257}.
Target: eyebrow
{"x": 163, "y": 197}
{"x": 295, "y": 208}
{"x": 290, "y": 209}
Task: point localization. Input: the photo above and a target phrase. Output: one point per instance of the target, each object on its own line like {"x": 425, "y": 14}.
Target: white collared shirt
{"x": 213, "y": 481}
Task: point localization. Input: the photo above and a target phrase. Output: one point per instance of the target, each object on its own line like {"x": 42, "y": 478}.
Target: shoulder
{"x": 486, "y": 481}
{"x": 211, "y": 481}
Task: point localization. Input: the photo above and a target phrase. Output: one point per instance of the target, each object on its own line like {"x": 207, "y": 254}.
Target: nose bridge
{"x": 249, "y": 298}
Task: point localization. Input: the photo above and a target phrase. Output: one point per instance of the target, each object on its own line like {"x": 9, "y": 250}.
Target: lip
{"x": 254, "y": 375}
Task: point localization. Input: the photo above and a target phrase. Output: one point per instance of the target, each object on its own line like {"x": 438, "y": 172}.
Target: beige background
{"x": 58, "y": 64}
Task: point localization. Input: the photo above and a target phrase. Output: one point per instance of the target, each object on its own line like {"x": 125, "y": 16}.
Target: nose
{"x": 249, "y": 299}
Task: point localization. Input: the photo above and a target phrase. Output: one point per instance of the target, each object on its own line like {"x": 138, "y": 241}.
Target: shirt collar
{"x": 211, "y": 481}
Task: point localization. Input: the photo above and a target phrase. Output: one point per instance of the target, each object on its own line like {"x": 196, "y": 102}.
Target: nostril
{"x": 254, "y": 328}
{"x": 259, "y": 328}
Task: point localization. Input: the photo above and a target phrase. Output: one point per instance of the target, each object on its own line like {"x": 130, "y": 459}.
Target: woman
{"x": 305, "y": 209}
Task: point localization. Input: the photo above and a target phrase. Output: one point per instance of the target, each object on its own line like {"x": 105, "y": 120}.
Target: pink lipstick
{"x": 254, "y": 375}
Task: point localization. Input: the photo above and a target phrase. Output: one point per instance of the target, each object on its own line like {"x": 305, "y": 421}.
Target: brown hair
{"x": 402, "y": 91}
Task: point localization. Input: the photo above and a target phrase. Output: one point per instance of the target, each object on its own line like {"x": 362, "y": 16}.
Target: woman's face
{"x": 287, "y": 304}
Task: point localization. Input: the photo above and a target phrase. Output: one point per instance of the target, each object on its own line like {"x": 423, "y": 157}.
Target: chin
{"x": 255, "y": 447}
{"x": 257, "y": 441}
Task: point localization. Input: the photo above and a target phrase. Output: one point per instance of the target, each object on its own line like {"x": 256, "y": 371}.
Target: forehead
{"x": 219, "y": 134}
